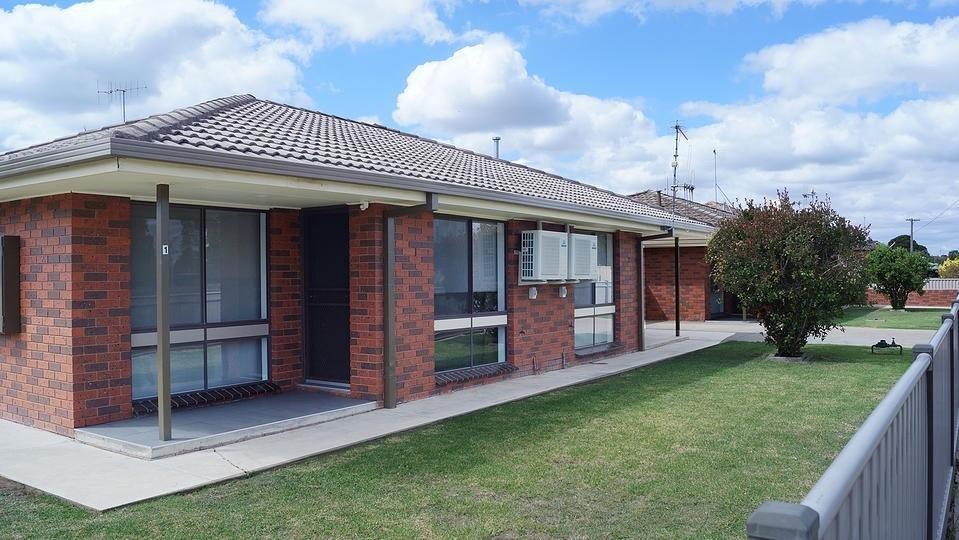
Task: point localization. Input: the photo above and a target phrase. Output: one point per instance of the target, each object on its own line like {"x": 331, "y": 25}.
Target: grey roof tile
{"x": 709, "y": 214}
{"x": 245, "y": 125}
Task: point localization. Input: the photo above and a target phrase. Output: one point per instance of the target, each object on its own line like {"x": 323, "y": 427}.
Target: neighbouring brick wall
{"x": 286, "y": 298}
{"x": 626, "y": 291}
{"x": 414, "y": 307}
{"x": 540, "y": 331}
{"x": 70, "y": 365}
{"x": 660, "y": 284}
{"x": 366, "y": 302}
{"x": 928, "y": 299}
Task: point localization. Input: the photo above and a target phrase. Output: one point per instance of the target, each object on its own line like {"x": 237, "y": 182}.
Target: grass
{"x": 909, "y": 318}
{"x": 682, "y": 449}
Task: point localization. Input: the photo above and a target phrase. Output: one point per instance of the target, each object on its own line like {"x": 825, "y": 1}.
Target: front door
{"x": 326, "y": 235}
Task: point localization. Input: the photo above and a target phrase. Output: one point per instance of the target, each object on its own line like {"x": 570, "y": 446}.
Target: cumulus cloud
{"x": 329, "y": 23}
{"x": 878, "y": 166}
{"x": 184, "y": 51}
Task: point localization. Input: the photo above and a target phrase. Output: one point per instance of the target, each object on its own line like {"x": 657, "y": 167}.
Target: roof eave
{"x": 130, "y": 148}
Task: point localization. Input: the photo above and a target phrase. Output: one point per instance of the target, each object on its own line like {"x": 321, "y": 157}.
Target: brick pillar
{"x": 539, "y": 331}
{"x": 626, "y": 291}
{"x": 414, "y": 307}
{"x": 100, "y": 305}
{"x": 366, "y": 302}
{"x": 285, "y": 284}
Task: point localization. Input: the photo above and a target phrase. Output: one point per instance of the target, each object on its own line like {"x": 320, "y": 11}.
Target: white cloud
{"x": 184, "y": 51}
{"x": 333, "y": 22}
{"x": 877, "y": 166}
{"x": 864, "y": 60}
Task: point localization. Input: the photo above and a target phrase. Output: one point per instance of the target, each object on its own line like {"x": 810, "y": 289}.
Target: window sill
{"x": 596, "y": 350}
{"x": 457, "y": 376}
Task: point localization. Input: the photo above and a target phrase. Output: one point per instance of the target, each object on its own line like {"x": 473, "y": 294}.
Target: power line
{"x": 939, "y": 215}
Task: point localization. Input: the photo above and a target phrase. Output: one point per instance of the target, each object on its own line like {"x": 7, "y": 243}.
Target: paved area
{"x": 752, "y": 331}
{"x": 208, "y": 427}
{"x": 101, "y": 479}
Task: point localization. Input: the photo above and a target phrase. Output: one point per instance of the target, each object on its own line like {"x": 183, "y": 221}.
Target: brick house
{"x": 700, "y": 298}
{"x": 303, "y": 251}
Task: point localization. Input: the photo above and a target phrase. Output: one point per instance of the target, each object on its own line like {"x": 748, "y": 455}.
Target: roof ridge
{"x": 151, "y": 126}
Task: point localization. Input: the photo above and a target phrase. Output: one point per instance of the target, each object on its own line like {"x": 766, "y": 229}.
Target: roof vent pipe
{"x": 659, "y": 195}
{"x": 496, "y": 140}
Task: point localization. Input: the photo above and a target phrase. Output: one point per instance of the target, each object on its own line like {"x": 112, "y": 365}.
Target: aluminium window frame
{"x": 265, "y": 298}
{"x": 598, "y": 309}
{"x": 471, "y": 318}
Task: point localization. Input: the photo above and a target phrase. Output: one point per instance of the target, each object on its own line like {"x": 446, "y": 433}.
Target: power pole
{"x": 912, "y": 225}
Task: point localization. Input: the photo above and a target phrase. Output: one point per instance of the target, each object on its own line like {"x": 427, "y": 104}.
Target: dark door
{"x": 326, "y": 235}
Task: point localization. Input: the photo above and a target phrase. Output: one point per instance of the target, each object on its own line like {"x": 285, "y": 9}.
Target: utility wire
{"x": 939, "y": 215}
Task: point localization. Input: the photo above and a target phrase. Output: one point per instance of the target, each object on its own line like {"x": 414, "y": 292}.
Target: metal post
{"x": 641, "y": 273}
{"x": 164, "y": 410}
{"x": 952, "y": 385}
{"x": 389, "y": 314}
{"x": 775, "y": 520}
{"x": 676, "y": 271}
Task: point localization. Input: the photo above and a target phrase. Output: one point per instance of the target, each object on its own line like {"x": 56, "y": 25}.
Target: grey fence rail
{"x": 893, "y": 478}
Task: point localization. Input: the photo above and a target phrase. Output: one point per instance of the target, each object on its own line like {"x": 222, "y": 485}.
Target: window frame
{"x": 148, "y": 333}
{"x": 469, "y": 264}
{"x": 474, "y": 321}
{"x": 597, "y": 310}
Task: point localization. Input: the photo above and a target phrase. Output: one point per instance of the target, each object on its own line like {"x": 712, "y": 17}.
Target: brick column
{"x": 626, "y": 291}
{"x": 366, "y": 302}
{"x": 693, "y": 284}
{"x": 285, "y": 282}
{"x": 414, "y": 307}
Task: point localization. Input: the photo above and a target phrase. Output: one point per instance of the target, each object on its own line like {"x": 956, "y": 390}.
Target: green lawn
{"x": 909, "y": 318}
{"x": 682, "y": 449}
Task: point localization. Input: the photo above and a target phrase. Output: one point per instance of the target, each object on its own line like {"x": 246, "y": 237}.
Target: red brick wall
{"x": 929, "y": 299}
{"x": 540, "y": 331}
{"x": 625, "y": 291}
{"x": 660, "y": 284}
{"x": 366, "y": 302}
{"x": 100, "y": 275}
{"x": 70, "y": 365}
{"x": 414, "y": 307}
{"x": 285, "y": 284}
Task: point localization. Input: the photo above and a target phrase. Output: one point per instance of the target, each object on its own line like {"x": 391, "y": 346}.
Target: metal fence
{"x": 893, "y": 478}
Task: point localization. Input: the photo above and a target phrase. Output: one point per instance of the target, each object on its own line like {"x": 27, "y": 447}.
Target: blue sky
{"x": 857, "y": 100}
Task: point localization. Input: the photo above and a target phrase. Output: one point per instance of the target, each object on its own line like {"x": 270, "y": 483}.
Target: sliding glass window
{"x": 469, "y": 292}
{"x": 593, "y": 301}
{"x": 218, "y": 314}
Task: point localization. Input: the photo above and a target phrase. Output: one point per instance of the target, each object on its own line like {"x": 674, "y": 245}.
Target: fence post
{"x": 775, "y": 520}
{"x": 930, "y": 436}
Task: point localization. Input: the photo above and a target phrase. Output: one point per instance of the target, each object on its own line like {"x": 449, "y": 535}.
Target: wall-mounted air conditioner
{"x": 583, "y": 254}
{"x": 544, "y": 256}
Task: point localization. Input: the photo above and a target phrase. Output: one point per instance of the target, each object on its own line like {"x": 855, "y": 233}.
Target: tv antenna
{"x": 687, "y": 187}
{"x": 114, "y": 90}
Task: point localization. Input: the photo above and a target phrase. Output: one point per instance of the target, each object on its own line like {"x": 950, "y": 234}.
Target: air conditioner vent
{"x": 544, "y": 256}
{"x": 583, "y": 253}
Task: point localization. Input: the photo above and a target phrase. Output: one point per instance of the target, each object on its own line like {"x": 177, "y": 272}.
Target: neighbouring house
{"x": 700, "y": 298}
{"x": 304, "y": 251}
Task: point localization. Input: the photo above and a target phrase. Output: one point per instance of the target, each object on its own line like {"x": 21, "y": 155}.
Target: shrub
{"x": 949, "y": 268}
{"x": 796, "y": 266}
{"x": 896, "y": 272}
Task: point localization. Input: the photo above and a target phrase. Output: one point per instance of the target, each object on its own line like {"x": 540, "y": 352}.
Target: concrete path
{"x": 100, "y": 479}
{"x": 752, "y": 331}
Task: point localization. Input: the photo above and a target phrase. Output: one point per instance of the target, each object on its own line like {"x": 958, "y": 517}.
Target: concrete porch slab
{"x": 217, "y": 425}
{"x": 101, "y": 480}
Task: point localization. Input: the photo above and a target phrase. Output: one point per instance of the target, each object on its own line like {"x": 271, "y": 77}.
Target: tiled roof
{"x": 244, "y": 125}
{"x": 710, "y": 214}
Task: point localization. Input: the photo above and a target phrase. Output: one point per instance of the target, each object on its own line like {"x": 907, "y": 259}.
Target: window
{"x": 218, "y": 315}
{"x": 593, "y": 301}
{"x": 469, "y": 292}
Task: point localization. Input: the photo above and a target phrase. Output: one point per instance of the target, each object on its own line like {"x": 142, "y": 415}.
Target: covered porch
{"x": 217, "y": 425}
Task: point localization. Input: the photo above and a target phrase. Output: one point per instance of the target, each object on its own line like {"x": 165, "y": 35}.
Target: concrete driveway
{"x": 752, "y": 331}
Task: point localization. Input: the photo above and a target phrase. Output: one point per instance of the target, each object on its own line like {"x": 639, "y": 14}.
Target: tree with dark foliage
{"x": 796, "y": 265}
